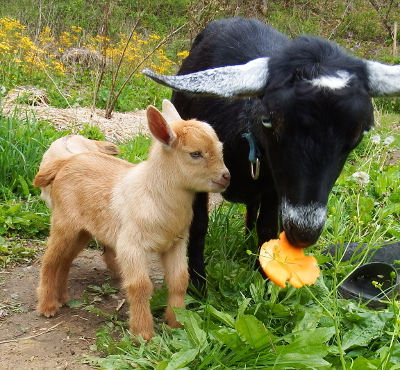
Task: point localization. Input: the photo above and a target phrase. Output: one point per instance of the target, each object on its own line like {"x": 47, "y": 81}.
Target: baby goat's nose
{"x": 225, "y": 178}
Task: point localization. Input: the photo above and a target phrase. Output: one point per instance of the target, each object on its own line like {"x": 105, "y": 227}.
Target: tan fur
{"x": 133, "y": 210}
{"x": 68, "y": 146}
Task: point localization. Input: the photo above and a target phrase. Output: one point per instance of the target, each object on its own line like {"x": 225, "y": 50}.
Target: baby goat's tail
{"x": 107, "y": 148}
{"x": 47, "y": 174}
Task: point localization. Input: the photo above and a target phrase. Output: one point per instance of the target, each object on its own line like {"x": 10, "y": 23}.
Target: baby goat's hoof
{"x": 146, "y": 335}
{"x": 170, "y": 318}
{"x": 48, "y": 310}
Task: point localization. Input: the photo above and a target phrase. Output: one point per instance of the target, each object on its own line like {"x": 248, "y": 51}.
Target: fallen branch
{"x": 32, "y": 336}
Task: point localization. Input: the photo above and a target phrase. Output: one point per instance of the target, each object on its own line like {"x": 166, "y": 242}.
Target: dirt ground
{"x": 29, "y": 341}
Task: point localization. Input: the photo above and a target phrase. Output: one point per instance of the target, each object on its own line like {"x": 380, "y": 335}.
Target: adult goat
{"x": 294, "y": 108}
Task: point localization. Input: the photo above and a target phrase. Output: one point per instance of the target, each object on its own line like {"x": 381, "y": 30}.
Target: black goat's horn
{"x": 383, "y": 79}
{"x": 244, "y": 80}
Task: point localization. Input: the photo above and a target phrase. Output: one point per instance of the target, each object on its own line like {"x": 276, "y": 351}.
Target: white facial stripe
{"x": 308, "y": 217}
{"x": 332, "y": 82}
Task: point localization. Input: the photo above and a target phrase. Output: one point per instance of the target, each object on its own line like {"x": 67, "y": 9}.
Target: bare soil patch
{"x": 29, "y": 341}
{"x": 74, "y": 331}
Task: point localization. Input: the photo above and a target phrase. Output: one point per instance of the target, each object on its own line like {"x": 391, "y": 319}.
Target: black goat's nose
{"x": 303, "y": 223}
{"x": 302, "y": 238}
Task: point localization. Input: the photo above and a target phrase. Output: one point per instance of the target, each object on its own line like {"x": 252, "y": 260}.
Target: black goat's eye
{"x": 266, "y": 121}
{"x": 196, "y": 155}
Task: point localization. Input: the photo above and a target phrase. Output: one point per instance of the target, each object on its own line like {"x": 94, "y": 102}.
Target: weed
{"x": 104, "y": 290}
{"x": 18, "y": 250}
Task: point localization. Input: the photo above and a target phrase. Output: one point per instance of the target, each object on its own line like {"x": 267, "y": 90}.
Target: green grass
{"x": 244, "y": 322}
{"x": 22, "y": 143}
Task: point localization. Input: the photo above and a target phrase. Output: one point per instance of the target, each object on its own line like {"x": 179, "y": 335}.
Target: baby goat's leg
{"x": 176, "y": 278}
{"x": 109, "y": 257}
{"x": 62, "y": 248}
{"x": 132, "y": 261}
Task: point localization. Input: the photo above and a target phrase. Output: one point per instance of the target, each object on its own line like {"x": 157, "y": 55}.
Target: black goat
{"x": 295, "y": 110}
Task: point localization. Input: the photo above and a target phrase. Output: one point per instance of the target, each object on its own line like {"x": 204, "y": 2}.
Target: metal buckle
{"x": 255, "y": 175}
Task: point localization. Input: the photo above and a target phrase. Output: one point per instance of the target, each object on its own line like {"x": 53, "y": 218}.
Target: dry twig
{"x": 32, "y": 336}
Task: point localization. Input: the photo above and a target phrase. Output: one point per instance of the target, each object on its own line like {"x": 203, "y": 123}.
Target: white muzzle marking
{"x": 306, "y": 217}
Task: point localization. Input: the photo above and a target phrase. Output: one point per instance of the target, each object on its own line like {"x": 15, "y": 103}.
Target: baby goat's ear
{"x": 169, "y": 112}
{"x": 159, "y": 127}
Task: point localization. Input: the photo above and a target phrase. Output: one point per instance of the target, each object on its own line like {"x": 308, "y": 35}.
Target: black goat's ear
{"x": 159, "y": 127}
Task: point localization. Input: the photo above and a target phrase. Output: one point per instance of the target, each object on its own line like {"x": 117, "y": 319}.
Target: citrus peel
{"x": 281, "y": 262}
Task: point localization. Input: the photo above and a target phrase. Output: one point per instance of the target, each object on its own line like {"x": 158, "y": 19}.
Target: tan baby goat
{"x": 131, "y": 210}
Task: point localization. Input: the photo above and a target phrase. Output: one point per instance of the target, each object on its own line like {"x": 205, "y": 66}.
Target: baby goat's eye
{"x": 266, "y": 121}
{"x": 196, "y": 155}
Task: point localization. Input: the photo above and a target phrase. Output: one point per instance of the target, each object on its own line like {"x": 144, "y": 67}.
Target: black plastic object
{"x": 380, "y": 269}
{"x": 372, "y": 283}
{"x": 386, "y": 253}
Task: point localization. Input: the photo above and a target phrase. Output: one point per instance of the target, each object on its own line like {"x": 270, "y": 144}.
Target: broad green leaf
{"x": 230, "y": 337}
{"x": 309, "y": 343}
{"x": 253, "y": 331}
{"x": 13, "y": 209}
{"x": 180, "y": 313}
{"x": 95, "y": 288}
{"x": 381, "y": 183}
{"x": 24, "y": 186}
{"x": 300, "y": 361}
{"x": 394, "y": 353}
{"x": 242, "y": 307}
{"x": 319, "y": 289}
{"x": 395, "y": 231}
{"x": 315, "y": 336}
{"x": 369, "y": 326}
{"x": 390, "y": 209}
{"x": 195, "y": 334}
{"x": 181, "y": 359}
{"x": 224, "y": 317}
{"x": 310, "y": 320}
{"x": 75, "y": 303}
{"x": 257, "y": 288}
{"x": 366, "y": 206}
{"x": 361, "y": 363}
{"x": 162, "y": 365}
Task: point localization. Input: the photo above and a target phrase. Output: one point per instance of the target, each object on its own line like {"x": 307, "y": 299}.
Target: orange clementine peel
{"x": 281, "y": 261}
